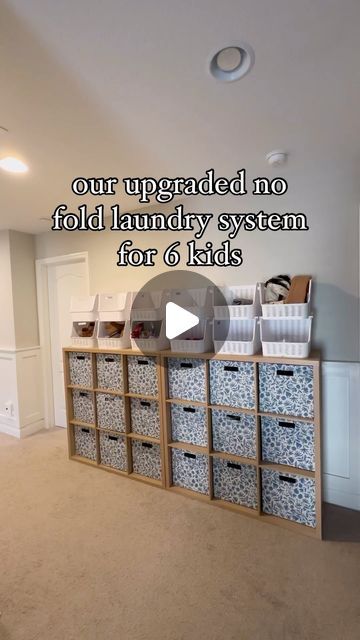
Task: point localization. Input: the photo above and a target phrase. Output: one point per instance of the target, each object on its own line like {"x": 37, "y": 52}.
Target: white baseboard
{"x": 342, "y": 498}
{"x": 16, "y": 432}
{"x": 29, "y": 429}
{"x": 10, "y": 430}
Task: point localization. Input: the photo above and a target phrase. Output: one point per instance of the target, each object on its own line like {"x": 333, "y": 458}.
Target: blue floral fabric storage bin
{"x": 190, "y": 470}
{"x": 235, "y": 482}
{"x": 186, "y": 378}
{"x": 113, "y": 451}
{"x": 234, "y": 433}
{"x": 188, "y": 424}
{"x": 110, "y": 412}
{"x": 286, "y": 389}
{"x": 80, "y": 369}
{"x": 83, "y": 406}
{"x": 289, "y": 496}
{"x": 146, "y": 459}
{"x": 232, "y": 384}
{"x": 85, "y": 442}
{"x": 142, "y": 375}
{"x": 286, "y": 442}
{"x": 109, "y": 371}
{"x": 145, "y": 417}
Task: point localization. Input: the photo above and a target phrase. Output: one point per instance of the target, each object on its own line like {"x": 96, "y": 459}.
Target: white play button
{"x": 178, "y": 320}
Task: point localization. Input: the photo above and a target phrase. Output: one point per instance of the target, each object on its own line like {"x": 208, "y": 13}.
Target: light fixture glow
{"x": 13, "y": 165}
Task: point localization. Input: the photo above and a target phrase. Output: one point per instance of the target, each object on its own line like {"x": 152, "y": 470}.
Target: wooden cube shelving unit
{"x": 167, "y": 444}
{"x": 127, "y": 433}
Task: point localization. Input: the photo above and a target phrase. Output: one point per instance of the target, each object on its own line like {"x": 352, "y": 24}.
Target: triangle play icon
{"x": 178, "y": 320}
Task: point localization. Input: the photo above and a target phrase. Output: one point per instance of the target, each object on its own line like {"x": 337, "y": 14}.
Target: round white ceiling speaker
{"x": 276, "y": 158}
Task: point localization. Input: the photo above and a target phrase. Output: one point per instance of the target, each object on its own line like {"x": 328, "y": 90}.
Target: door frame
{"x": 42, "y": 271}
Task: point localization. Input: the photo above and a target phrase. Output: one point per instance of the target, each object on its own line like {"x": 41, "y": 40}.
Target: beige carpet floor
{"x": 89, "y": 555}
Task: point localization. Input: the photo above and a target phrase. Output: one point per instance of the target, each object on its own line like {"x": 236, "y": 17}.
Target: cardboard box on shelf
{"x": 298, "y": 290}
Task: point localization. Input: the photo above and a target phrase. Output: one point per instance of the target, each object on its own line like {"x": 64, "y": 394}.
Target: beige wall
{"x": 20, "y": 365}
{"x": 22, "y": 253}
{"x": 329, "y": 251}
{"x": 19, "y": 321}
{"x": 7, "y": 326}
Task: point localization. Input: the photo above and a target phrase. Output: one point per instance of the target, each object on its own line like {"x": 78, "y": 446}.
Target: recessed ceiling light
{"x": 13, "y": 165}
{"x": 232, "y": 62}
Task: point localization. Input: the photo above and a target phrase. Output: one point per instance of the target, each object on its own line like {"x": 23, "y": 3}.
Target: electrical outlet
{"x": 9, "y": 409}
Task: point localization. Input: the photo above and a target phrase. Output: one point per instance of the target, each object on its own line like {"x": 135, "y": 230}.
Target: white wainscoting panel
{"x": 30, "y": 393}
{"x": 9, "y": 411}
{"x": 21, "y": 398}
{"x": 341, "y": 433}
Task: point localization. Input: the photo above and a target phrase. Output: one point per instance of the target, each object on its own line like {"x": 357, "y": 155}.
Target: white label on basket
{"x": 178, "y": 320}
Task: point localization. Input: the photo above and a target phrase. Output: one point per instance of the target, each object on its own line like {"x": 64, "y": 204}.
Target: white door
{"x": 64, "y": 281}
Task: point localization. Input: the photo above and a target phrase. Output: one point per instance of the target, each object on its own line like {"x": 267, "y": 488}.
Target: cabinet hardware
{"x": 286, "y": 479}
{"x": 233, "y": 465}
{"x": 287, "y": 425}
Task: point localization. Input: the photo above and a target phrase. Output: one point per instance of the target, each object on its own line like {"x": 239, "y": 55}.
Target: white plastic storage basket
{"x": 286, "y": 337}
{"x": 148, "y": 305}
{"x": 195, "y": 340}
{"x": 197, "y": 301}
{"x": 106, "y": 341}
{"x": 79, "y": 340}
{"x": 83, "y": 312}
{"x": 115, "y": 307}
{"x": 84, "y": 308}
{"x": 229, "y": 295}
{"x": 239, "y": 336}
{"x": 299, "y": 310}
{"x": 156, "y": 342}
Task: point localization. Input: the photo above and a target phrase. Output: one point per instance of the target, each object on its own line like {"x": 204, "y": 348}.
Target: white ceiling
{"x": 121, "y": 88}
